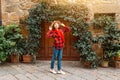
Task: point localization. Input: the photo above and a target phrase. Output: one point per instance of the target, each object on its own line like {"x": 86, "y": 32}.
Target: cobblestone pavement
{"x": 40, "y": 71}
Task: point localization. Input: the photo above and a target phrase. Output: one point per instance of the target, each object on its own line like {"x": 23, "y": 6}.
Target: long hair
{"x": 53, "y": 23}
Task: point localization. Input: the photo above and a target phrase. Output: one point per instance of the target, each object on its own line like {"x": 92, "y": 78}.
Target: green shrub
{"x": 110, "y": 39}
{"x": 9, "y": 38}
{"x": 4, "y": 45}
{"x": 13, "y": 33}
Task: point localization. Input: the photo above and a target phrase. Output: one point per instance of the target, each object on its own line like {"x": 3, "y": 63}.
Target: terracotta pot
{"x": 15, "y": 58}
{"x": 117, "y": 58}
{"x": 105, "y": 64}
{"x": 86, "y": 64}
{"x": 112, "y": 63}
{"x": 27, "y": 58}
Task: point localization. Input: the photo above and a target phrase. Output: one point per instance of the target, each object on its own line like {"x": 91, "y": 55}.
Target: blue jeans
{"x": 57, "y": 53}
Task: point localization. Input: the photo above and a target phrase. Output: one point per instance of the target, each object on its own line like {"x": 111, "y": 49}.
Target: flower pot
{"x": 86, "y": 64}
{"x": 112, "y": 63}
{"x": 27, "y": 58}
{"x": 105, "y": 64}
{"x": 15, "y": 58}
{"x": 117, "y": 58}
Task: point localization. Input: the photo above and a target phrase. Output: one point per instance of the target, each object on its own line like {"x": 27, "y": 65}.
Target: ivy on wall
{"x": 74, "y": 13}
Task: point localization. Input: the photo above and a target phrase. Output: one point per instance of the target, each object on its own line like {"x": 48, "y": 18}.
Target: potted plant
{"x": 12, "y": 33}
{"x": 90, "y": 60}
{"x": 84, "y": 47}
{"x": 14, "y": 55}
{"x": 4, "y": 45}
{"x": 117, "y": 57}
{"x": 26, "y": 52}
{"x": 117, "y": 60}
{"x": 16, "y": 52}
{"x": 27, "y": 58}
{"x": 107, "y": 57}
{"x": 109, "y": 41}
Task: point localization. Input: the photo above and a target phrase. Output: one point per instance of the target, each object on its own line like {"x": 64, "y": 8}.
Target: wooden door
{"x": 45, "y": 50}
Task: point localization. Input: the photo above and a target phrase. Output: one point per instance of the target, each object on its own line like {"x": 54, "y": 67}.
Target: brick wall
{"x": 13, "y": 10}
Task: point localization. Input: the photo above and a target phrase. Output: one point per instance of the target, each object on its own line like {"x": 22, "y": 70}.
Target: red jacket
{"x": 58, "y": 36}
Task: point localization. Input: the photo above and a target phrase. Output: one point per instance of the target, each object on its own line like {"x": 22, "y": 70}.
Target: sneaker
{"x": 61, "y": 72}
{"x": 53, "y": 71}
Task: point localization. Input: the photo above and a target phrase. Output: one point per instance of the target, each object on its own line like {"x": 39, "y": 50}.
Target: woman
{"x": 57, "y": 33}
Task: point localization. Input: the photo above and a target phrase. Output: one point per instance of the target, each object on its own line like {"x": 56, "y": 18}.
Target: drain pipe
{"x": 0, "y": 14}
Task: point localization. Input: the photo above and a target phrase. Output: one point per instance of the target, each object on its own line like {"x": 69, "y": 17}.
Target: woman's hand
{"x": 50, "y": 28}
{"x": 62, "y": 24}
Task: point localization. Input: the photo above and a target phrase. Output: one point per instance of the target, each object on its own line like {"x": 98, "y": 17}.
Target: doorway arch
{"x": 72, "y": 14}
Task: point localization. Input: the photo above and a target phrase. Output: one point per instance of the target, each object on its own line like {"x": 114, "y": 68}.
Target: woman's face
{"x": 56, "y": 25}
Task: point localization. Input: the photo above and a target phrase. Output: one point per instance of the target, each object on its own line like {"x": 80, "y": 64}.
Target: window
{"x": 96, "y": 15}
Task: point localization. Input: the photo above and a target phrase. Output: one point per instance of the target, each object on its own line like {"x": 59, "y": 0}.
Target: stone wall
{"x": 13, "y": 10}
